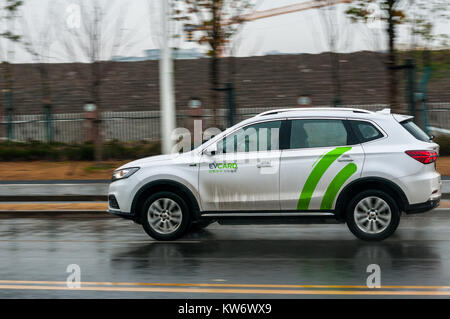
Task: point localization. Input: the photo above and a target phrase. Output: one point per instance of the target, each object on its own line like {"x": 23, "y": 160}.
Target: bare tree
{"x": 37, "y": 41}
{"x": 8, "y": 15}
{"x": 334, "y": 30}
{"x": 211, "y": 19}
{"x": 394, "y": 13}
{"x": 97, "y": 38}
{"x": 422, "y": 19}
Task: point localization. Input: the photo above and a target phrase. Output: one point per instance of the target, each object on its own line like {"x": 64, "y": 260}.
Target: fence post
{"x": 422, "y": 95}
{"x": 411, "y": 87}
{"x": 9, "y": 115}
{"x": 48, "y": 122}
{"x": 2, "y": 131}
{"x": 90, "y": 117}
{"x": 231, "y": 103}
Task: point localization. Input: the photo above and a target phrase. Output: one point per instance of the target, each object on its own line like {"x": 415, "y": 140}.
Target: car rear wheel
{"x": 372, "y": 215}
{"x": 165, "y": 216}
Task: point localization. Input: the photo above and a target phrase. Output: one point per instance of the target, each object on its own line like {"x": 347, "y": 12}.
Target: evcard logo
{"x": 223, "y": 167}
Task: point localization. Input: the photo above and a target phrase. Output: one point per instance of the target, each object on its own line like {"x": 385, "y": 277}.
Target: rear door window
{"x": 318, "y": 133}
{"x": 365, "y": 131}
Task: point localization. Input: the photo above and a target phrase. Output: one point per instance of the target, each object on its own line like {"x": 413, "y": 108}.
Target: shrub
{"x": 444, "y": 143}
{"x": 113, "y": 150}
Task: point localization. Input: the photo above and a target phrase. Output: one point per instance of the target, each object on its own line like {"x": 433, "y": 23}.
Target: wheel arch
{"x": 165, "y": 185}
{"x": 366, "y": 183}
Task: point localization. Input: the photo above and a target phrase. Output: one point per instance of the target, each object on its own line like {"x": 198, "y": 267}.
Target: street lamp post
{"x": 194, "y": 123}
{"x": 166, "y": 82}
{"x": 48, "y": 120}
{"x": 304, "y": 100}
{"x": 90, "y": 115}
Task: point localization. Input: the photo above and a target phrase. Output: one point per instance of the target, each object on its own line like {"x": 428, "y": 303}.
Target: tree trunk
{"x": 336, "y": 78}
{"x": 214, "y": 71}
{"x": 392, "y": 59}
{"x": 98, "y": 143}
{"x": 232, "y": 86}
{"x": 214, "y": 86}
{"x": 46, "y": 100}
{"x": 8, "y": 76}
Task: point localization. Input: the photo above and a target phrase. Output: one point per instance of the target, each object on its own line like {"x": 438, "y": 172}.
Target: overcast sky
{"x": 300, "y": 32}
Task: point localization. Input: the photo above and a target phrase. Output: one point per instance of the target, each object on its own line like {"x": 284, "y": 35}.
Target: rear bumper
{"x": 423, "y": 207}
{"x": 421, "y": 188}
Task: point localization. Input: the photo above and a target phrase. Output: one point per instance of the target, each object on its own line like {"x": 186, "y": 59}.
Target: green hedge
{"x": 444, "y": 143}
{"x": 114, "y": 150}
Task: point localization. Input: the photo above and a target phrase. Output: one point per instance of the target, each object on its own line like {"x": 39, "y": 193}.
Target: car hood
{"x": 166, "y": 158}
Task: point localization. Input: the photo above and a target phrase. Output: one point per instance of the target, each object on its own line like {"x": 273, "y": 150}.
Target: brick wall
{"x": 275, "y": 80}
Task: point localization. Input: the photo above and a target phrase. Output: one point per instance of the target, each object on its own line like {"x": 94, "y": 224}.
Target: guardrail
{"x": 81, "y": 191}
{"x": 53, "y": 192}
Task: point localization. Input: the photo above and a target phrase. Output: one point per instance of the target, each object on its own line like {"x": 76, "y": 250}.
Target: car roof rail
{"x": 272, "y": 112}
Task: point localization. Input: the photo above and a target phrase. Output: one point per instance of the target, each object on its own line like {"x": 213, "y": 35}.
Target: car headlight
{"x": 124, "y": 173}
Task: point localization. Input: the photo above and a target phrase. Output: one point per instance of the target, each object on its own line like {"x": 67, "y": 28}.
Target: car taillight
{"x": 425, "y": 157}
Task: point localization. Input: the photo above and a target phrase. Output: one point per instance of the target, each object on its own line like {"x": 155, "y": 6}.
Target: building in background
{"x": 154, "y": 54}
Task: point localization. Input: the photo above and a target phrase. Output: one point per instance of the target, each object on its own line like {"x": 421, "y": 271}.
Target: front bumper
{"x": 123, "y": 215}
{"x": 423, "y": 207}
{"x": 123, "y": 192}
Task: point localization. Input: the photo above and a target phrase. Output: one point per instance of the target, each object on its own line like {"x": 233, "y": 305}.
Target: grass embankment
{"x": 40, "y": 161}
{"x": 42, "y": 170}
{"x": 57, "y": 161}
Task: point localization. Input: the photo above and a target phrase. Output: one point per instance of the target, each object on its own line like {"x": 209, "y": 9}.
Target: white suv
{"x": 287, "y": 166}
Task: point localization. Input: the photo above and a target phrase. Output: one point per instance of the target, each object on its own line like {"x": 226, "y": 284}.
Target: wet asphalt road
{"x": 220, "y": 261}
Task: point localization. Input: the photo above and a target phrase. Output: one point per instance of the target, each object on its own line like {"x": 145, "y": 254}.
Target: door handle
{"x": 264, "y": 164}
{"x": 345, "y": 158}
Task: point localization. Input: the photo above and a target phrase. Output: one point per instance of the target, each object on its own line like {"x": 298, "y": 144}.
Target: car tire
{"x": 372, "y": 215}
{"x": 165, "y": 216}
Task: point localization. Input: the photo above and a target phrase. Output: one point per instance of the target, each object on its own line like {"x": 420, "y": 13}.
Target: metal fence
{"x": 145, "y": 125}
{"x": 439, "y": 120}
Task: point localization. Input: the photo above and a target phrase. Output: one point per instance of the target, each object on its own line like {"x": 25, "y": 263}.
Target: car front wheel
{"x": 372, "y": 215}
{"x": 165, "y": 216}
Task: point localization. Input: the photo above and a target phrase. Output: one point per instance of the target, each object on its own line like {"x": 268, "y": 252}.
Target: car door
{"x": 321, "y": 157}
{"x": 243, "y": 174}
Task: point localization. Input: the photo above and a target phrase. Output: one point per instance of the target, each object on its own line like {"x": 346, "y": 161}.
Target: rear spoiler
{"x": 402, "y": 118}
{"x": 398, "y": 117}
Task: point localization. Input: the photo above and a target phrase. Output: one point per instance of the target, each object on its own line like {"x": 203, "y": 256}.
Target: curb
{"x": 68, "y": 198}
{"x": 56, "y": 211}
{"x": 50, "y": 213}
{"x": 57, "y": 181}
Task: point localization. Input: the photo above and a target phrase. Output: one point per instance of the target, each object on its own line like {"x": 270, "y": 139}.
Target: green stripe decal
{"x": 336, "y": 184}
{"x": 316, "y": 174}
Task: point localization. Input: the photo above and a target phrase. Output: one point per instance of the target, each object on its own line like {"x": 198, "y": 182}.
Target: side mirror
{"x": 432, "y": 137}
{"x": 211, "y": 150}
